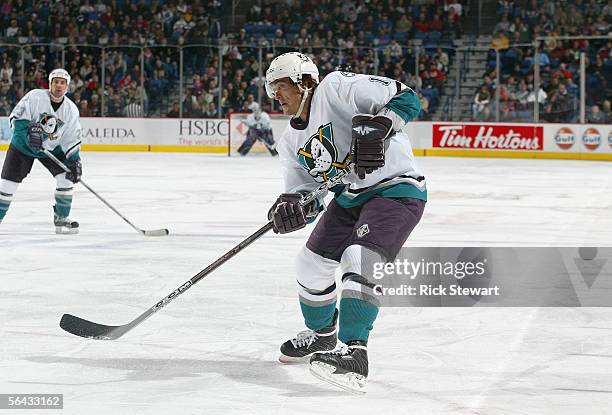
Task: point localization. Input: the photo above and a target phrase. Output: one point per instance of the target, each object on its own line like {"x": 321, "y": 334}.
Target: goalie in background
{"x": 260, "y": 128}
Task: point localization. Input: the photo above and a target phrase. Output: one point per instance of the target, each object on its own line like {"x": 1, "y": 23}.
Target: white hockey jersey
{"x": 62, "y": 127}
{"x": 315, "y": 151}
{"x": 262, "y": 122}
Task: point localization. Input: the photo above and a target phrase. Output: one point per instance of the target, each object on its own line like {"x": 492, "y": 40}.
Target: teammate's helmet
{"x": 292, "y": 65}
{"x": 255, "y": 108}
{"x": 59, "y": 73}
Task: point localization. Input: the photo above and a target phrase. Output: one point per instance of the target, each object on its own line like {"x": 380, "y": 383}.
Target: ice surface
{"x": 214, "y": 350}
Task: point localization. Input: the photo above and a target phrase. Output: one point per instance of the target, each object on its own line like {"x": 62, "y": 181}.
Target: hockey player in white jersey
{"x": 260, "y": 128}
{"x": 345, "y": 119}
{"x": 45, "y": 119}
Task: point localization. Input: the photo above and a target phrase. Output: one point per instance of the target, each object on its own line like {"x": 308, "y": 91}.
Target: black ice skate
{"x": 346, "y": 368}
{"x": 65, "y": 226}
{"x": 308, "y": 342}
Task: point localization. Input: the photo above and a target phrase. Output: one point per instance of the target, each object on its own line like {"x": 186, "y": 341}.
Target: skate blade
{"x": 351, "y": 382}
{"x": 60, "y": 230}
{"x": 288, "y": 360}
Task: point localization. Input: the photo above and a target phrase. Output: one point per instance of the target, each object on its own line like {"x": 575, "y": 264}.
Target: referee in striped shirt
{"x": 133, "y": 109}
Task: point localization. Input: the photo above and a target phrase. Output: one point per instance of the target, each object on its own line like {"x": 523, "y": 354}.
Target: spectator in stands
{"x": 6, "y": 73}
{"x": 436, "y": 75}
{"x": 226, "y": 102}
{"x": 250, "y": 103}
{"x": 454, "y": 9}
{"x": 404, "y": 25}
{"x": 95, "y": 106}
{"x": 13, "y": 30}
{"x": 596, "y": 116}
{"x": 115, "y": 106}
{"x": 436, "y": 24}
{"x": 174, "y": 111}
{"x": 502, "y": 26}
{"x": 422, "y": 25}
{"x": 393, "y": 51}
{"x": 84, "y": 109}
{"x": 75, "y": 84}
{"x": 481, "y": 110}
{"x": 424, "y": 114}
{"x": 560, "y": 105}
{"x": 5, "y": 80}
{"x": 211, "y": 110}
{"x": 522, "y": 94}
{"x": 500, "y": 41}
{"x": 607, "y": 110}
{"x": 542, "y": 95}
{"x": 443, "y": 58}
{"x": 5, "y": 106}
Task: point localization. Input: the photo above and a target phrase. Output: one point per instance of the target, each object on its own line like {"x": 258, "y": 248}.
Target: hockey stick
{"x": 156, "y": 232}
{"x": 89, "y": 329}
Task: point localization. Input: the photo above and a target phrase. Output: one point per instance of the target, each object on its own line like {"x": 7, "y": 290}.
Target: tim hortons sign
{"x": 488, "y": 137}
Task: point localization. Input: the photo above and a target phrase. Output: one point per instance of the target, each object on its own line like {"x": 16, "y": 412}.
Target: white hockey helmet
{"x": 59, "y": 73}
{"x": 255, "y": 108}
{"x": 292, "y": 65}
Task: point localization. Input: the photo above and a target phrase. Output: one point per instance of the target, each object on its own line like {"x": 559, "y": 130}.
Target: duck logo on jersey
{"x": 50, "y": 124}
{"x": 319, "y": 156}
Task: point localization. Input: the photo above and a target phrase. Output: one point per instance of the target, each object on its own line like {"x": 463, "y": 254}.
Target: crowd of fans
{"x": 139, "y": 40}
{"x": 124, "y": 55}
{"x": 336, "y": 35}
{"x": 369, "y": 36}
{"x": 559, "y": 61}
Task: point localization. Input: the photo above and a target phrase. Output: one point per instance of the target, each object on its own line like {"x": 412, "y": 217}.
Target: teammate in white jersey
{"x": 260, "y": 128}
{"x": 345, "y": 119}
{"x": 45, "y": 119}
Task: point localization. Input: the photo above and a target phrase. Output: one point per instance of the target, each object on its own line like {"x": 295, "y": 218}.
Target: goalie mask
{"x": 292, "y": 65}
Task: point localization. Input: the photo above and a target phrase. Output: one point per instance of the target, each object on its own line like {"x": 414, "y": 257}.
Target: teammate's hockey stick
{"x": 89, "y": 329}
{"x": 155, "y": 232}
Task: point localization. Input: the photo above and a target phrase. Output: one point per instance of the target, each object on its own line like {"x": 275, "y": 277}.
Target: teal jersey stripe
{"x": 396, "y": 191}
{"x": 21, "y": 141}
{"x": 406, "y": 104}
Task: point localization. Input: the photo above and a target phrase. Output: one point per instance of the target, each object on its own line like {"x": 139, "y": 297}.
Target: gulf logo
{"x": 565, "y": 138}
{"x": 591, "y": 138}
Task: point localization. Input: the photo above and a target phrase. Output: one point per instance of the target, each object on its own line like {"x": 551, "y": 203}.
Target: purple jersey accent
{"x": 381, "y": 224}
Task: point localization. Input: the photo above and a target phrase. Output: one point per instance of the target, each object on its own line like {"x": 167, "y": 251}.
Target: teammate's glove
{"x": 76, "y": 170}
{"x": 368, "y": 145}
{"x": 35, "y": 136}
{"x": 287, "y": 215}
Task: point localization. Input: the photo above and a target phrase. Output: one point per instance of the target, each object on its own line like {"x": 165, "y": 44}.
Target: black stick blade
{"x": 88, "y": 329}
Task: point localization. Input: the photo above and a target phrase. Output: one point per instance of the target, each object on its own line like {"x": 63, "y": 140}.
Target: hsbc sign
{"x": 488, "y": 137}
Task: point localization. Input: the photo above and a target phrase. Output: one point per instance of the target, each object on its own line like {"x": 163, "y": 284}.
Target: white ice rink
{"x": 214, "y": 350}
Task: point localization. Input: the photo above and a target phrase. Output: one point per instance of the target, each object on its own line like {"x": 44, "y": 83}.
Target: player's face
{"x": 288, "y": 96}
{"x": 59, "y": 86}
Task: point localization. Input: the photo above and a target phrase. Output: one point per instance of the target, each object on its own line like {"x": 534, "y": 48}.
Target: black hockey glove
{"x": 76, "y": 170}
{"x": 287, "y": 215}
{"x": 368, "y": 145}
{"x": 35, "y": 136}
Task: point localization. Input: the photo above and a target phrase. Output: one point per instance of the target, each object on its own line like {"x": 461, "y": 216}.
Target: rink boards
{"x": 507, "y": 140}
